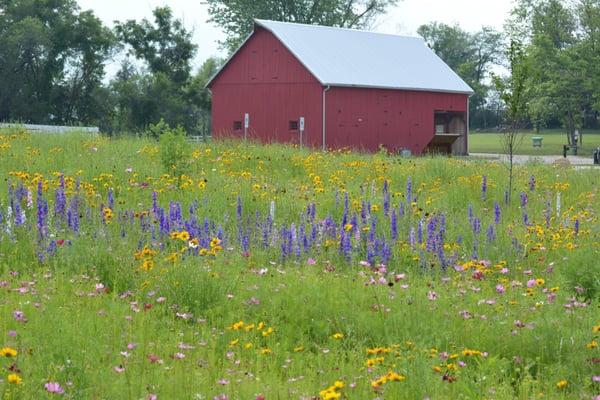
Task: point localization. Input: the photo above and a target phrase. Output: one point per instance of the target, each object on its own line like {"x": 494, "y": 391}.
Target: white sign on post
{"x": 246, "y": 125}
{"x": 301, "y": 130}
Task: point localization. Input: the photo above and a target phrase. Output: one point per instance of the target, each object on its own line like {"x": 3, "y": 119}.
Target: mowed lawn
{"x": 552, "y": 143}
{"x": 271, "y": 272}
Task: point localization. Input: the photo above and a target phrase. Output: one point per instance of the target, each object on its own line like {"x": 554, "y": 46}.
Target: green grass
{"x": 552, "y": 144}
{"x": 105, "y": 328}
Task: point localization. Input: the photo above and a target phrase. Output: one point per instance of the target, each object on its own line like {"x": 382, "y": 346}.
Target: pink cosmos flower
{"x": 531, "y": 283}
{"x": 500, "y": 289}
{"x": 311, "y": 261}
{"x": 54, "y": 387}
{"x": 399, "y": 277}
{"x": 596, "y": 378}
{"x": 119, "y": 369}
{"x": 432, "y": 296}
{"x": 223, "y": 382}
{"x": 179, "y": 356}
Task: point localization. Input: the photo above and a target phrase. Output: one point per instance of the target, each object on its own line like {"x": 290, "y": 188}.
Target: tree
{"x": 470, "y": 55}
{"x": 52, "y": 59}
{"x": 236, "y": 17}
{"x": 563, "y": 56}
{"x": 166, "y": 47}
{"x": 514, "y": 93}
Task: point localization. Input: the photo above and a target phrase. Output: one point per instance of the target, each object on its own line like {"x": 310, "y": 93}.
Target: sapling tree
{"x": 513, "y": 92}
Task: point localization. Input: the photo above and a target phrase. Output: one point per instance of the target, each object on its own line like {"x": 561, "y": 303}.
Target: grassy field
{"x": 552, "y": 144}
{"x": 268, "y": 272}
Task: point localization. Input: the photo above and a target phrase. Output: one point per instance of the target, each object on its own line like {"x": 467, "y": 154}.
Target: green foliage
{"x": 173, "y": 147}
{"x": 236, "y": 17}
{"x": 93, "y": 316}
{"x": 165, "y": 45}
{"x": 52, "y": 58}
{"x": 472, "y": 56}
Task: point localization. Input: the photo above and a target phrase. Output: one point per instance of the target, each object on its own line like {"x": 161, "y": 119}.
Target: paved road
{"x": 519, "y": 159}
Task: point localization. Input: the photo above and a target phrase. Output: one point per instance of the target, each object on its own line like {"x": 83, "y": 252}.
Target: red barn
{"x": 333, "y": 88}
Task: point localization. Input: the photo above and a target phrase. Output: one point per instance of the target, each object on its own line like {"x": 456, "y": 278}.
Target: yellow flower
{"x": 338, "y": 336}
{"x": 299, "y": 349}
{"x": 540, "y": 282}
{"x": 8, "y": 352}
{"x": 596, "y": 329}
{"x": 561, "y": 384}
{"x": 592, "y": 345}
{"x": 348, "y": 227}
{"x": 184, "y": 236}
{"x": 147, "y": 265}
{"x": 14, "y": 378}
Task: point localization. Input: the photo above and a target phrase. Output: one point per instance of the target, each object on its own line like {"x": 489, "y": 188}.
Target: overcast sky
{"x": 404, "y": 19}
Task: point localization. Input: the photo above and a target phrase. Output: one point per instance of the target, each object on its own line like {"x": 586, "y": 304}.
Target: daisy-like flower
{"x": 54, "y": 387}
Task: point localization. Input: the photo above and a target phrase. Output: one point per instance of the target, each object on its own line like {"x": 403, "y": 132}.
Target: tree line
{"x": 54, "y": 56}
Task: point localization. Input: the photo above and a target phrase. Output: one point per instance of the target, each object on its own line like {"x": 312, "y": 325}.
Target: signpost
{"x": 301, "y": 130}
{"x": 246, "y": 125}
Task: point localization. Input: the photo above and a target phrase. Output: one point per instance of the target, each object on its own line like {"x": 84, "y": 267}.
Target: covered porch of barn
{"x": 450, "y": 133}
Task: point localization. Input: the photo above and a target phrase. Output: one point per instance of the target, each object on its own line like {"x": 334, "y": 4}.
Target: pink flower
{"x": 432, "y": 296}
{"x": 500, "y": 289}
{"x": 54, "y": 387}
{"x": 119, "y": 369}
{"x": 223, "y": 382}
{"x": 131, "y": 346}
{"x": 311, "y": 261}
{"x": 531, "y": 283}
{"x": 596, "y": 378}
{"x": 179, "y": 356}
{"x": 399, "y": 277}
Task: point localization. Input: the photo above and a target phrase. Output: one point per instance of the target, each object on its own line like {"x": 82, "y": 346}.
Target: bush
{"x": 173, "y": 148}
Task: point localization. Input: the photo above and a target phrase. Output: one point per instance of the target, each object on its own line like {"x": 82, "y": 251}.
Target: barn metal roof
{"x": 354, "y": 58}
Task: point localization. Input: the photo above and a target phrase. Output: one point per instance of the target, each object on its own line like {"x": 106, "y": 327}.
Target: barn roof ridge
{"x": 341, "y": 28}
{"x": 344, "y": 57}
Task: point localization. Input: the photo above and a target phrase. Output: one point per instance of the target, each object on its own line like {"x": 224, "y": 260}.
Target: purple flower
{"x": 497, "y": 213}
{"x": 484, "y": 187}
{"x": 532, "y": 183}
{"x": 19, "y": 316}
{"x": 524, "y": 199}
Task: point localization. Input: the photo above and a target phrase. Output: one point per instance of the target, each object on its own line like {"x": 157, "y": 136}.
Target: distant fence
{"x": 52, "y": 128}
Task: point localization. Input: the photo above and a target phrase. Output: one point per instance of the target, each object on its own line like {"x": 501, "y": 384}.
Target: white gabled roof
{"x": 353, "y": 58}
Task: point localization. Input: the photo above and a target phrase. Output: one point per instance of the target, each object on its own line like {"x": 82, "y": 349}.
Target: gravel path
{"x": 521, "y": 159}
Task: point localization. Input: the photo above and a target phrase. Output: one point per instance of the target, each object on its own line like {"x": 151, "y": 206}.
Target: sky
{"x": 403, "y": 19}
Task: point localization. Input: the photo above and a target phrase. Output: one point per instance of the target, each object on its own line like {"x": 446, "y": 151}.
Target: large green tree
{"x": 52, "y": 58}
{"x": 562, "y": 47}
{"x": 163, "y": 88}
{"x": 236, "y": 16}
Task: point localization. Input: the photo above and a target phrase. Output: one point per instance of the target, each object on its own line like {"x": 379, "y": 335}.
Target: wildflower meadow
{"x": 272, "y": 272}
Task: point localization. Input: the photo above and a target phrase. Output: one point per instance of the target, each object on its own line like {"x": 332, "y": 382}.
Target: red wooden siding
{"x": 396, "y": 119}
{"x": 265, "y": 80}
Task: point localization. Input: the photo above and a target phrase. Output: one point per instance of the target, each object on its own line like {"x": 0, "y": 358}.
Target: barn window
{"x": 237, "y": 125}
{"x": 294, "y": 125}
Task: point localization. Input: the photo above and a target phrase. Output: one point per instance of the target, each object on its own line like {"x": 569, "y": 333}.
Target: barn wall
{"x": 368, "y": 118}
{"x": 265, "y": 80}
